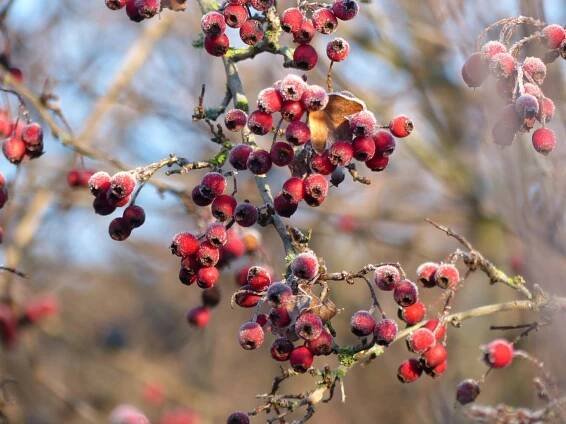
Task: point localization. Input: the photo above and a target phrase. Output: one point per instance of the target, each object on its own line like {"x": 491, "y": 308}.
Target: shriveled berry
{"x": 387, "y": 277}
{"x": 199, "y": 199}
{"x": 207, "y": 254}
{"x": 246, "y": 214}
{"x": 250, "y": 335}
{"x": 291, "y": 19}
{"x": 235, "y": 15}
{"x": 305, "y": 33}
{"x": 269, "y": 100}
{"x": 216, "y": 45}
{"x": 405, "y": 293}
{"x": 122, "y": 184}
{"x": 324, "y": 21}
{"x": 235, "y": 120}
{"x": 305, "y": 266}
{"x": 213, "y": 23}
{"x": 363, "y": 123}
{"x": 447, "y": 276}
{"x": 322, "y": 345}
{"x": 207, "y": 277}
{"x": 216, "y": 234}
{"x": 426, "y": 273}
{"x": 260, "y": 123}
{"x": 284, "y": 206}
{"x": 345, "y": 9}
{"x": 337, "y": 50}
{"x": 281, "y": 349}
{"x": 297, "y": 133}
{"x": 134, "y": 215}
{"x": 490, "y": 49}
{"x": 184, "y": 244}
{"x": 544, "y": 140}
{"x": 467, "y": 391}
{"x": 292, "y": 110}
{"x": 238, "y": 418}
{"x": 119, "y": 229}
{"x": 305, "y": 57}
{"x": 413, "y": 314}
{"x": 435, "y": 355}
{"x": 362, "y": 324}
{"x": 401, "y": 126}
{"x": 301, "y": 359}
{"x": 421, "y": 340}
{"x": 223, "y": 207}
{"x": 554, "y": 35}
{"x": 199, "y": 316}
{"x": 281, "y": 153}
{"x": 292, "y": 88}
{"x": 251, "y": 32}
{"x": 475, "y": 70}
{"x": 498, "y": 354}
{"x": 99, "y": 182}
{"x": 409, "y": 371}
{"x": 377, "y": 163}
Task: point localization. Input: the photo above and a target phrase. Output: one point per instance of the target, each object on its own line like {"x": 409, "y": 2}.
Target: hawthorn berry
{"x": 315, "y": 98}
{"x": 184, "y": 244}
{"x": 32, "y": 135}
{"x": 362, "y": 324}
{"x": 260, "y": 123}
{"x": 305, "y": 266}
{"x": 258, "y": 278}
{"x": 438, "y": 329}
{"x": 207, "y": 276}
{"x": 235, "y": 15}
{"x": 467, "y": 391}
{"x": 134, "y": 216}
{"x": 305, "y": 33}
{"x": 14, "y": 150}
{"x": 279, "y": 317}
{"x": 321, "y": 164}
{"x": 199, "y": 316}
{"x": 535, "y": 69}
{"x": 279, "y": 294}
{"x": 526, "y": 106}
{"x": 281, "y": 153}
{"x": 297, "y": 133}
{"x": 187, "y": 277}
{"x": 301, "y": 359}
{"x": 122, "y": 184}
{"x": 324, "y": 21}
{"x": 246, "y": 214}
{"x": 102, "y": 206}
{"x": 384, "y": 143}
{"x": 133, "y": 12}
{"x": 119, "y": 229}
{"x": 554, "y": 35}
{"x": 308, "y": 326}
{"x": 426, "y": 273}
{"x": 292, "y": 110}
{"x": 148, "y": 8}
{"x": 284, "y": 206}
{"x": 405, "y": 293}
{"x": 305, "y": 57}
{"x": 544, "y": 140}
{"x": 292, "y": 88}
{"x": 363, "y": 123}
{"x": 315, "y": 189}
{"x": 337, "y": 177}
{"x": 492, "y": 48}
{"x": 435, "y": 355}
{"x": 502, "y": 65}
{"x": 115, "y": 4}
{"x": 401, "y": 126}
{"x": 421, "y": 340}
{"x": 213, "y": 184}
{"x": 223, "y": 207}
{"x": 238, "y": 418}
{"x": 216, "y": 234}
{"x": 216, "y": 45}
{"x": 269, "y": 100}
{"x": 337, "y": 50}
{"x": 281, "y": 349}
{"x": 293, "y": 189}
{"x": 247, "y": 299}
{"x": 377, "y": 163}
{"x": 261, "y": 5}
{"x": 498, "y": 353}
{"x": 413, "y": 314}
{"x": 447, "y": 276}
{"x": 474, "y": 70}
{"x": 199, "y": 199}
{"x": 207, "y": 254}
{"x": 251, "y": 32}
{"x": 363, "y": 148}
{"x": 345, "y": 9}
{"x": 322, "y": 345}
{"x": 409, "y": 371}
{"x": 213, "y": 23}
{"x": 235, "y": 120}
{"x": 385, "y": 332}
{"x": 438, "y": 370}
{"x": 387, "y": 277}
{"x": 341, "y": 153}
{"x": 250, "y": 335}
{"x": 546, "y": 109}
{"x": 291, "y": 20}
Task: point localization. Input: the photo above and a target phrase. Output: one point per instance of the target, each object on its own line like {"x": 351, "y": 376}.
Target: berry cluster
{"x": 12, "y": 321}
{"x": 138, "y": 10}
{"x": 112, "y": 192}
{"x": 361, "y": 139}
{"x": 519, "y": 84}
{"x": 23, "y": 140}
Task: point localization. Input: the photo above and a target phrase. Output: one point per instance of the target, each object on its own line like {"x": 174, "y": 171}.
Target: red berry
{"x": 280, "y": 317}
{"x": 321, "y": 163}
{"x": 134, "y": 216}
{"x": 426, "y": 273}
{"x": 362, "y": 324}
{"x": 148, "y": 8}
{"x": 291, "y": 20}
{"x": 284, "y": 206}
{"x": 341, "y": 153}
{"x": 438, "y": 370}
{"x": 199, "y": 316}
{"x": 102, "y": 206}
{"x": 207, "y": 277}
{"x": 384, "y": 143}
{"x": 498, "y": 353}
{"x": 6, "y": 126}
{"x": 439, "y": 330}
{"x": 305, "y": 266}
{"x": 421, "y": 340}
{"x": 239, "y": 155}
{"x": 490, "y": 49}
{"x": 292, "y": 88}
{"x": 251, "y": 32}
{"x": 235, "y": 15}
{"x": 246, "y": 214}
{"x": 555, "y": 35}
{"x": 247, "y": 300}
{"x": 235, "y": 120}
{"x": 260, "y": 123}
{"x": 223, "y": 207}
{"x": 474, "y": 70}
{"x": 187, "y": 277}
{"x": 447, "y": 276}
{"x": 242, "y": 276}
{"x": 207, "y": 254}
{"x": 387, "y": 277}
{"x": 133, "y": 12}
{"x": 363, "y": 123}
{"x": 467, "y": 391}
{"x": 413, "y": 314}
{"x": 280, "y": 294}
{"x": 502, "y": 65}
{"x": 405, "y": 293}
{"x": 315, "y": 189}
{"x": 305, "y": 57}
{"x": 315, "y": 98}
{"x": 184, "y": 244}
{"x": 324, "y": 21}
{"x": 119, "y": 229}
{"x": 363, "y": 148}
{"x": 409, "y": 371}
{"x": 250, "y": 335}
{"x": 544, "y": 140}
{"x": 213, "y": 184}
{"x": 14, "y": 150}
{"x": 282, "y": 153}
{"x": 292, "y": 110}
{"x": 199, "y": 199}
{"x": 238, "y": 418}
{"x": 293, "y": 189}
{"x": 269, "y": 100}
{"x": 345, "y": 9}
{"x": 73, "y": 178}
{"x": 298, "y": 133}
{"x": 546, "y": 110}
{"x": 377, "y": 163}
{"x": 401, "y": 126}
{"x": 281, "y": 349}
{"x": 308, "y": 326}
{"x": 115, "y": 4}
{"x": 213, "y": 23}
{"x": 122, "y": 184}
{"x": 258, "y": 278}
{"x": 234, "y": 247}
{"x": 216, "y": 234}
{"x": 435, "y": 355}
{"x": 322, "y": 345}
{"x": 301, "y": 359}
{"x": 535, "y": 68}
{"x": 261, "y": 5}
{"x": 32, "y": 135}
{"x": 337, "y": 50}
{"x": 305, "y": 33}
{"x": 41, "y": 308}
{"x": 216, "y": 45}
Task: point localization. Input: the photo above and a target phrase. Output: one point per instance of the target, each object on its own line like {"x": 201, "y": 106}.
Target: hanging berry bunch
{"x": 519, "y": 79}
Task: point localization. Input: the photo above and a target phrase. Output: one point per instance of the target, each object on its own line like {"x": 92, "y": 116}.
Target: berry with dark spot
{"x": 223, "y": 207}
{"x": 280, "y": 317}
{"x": 122, "y": 184}
{"x": 405, "y": 293}
{"x": 297, "y": 133}
{"x": 409, "y": 371}
{"x": 498, "y": 354}
{"x": 216, "y": 234}
{"x": 341, "y": 153}
{"x": 281, "y": 349}
{"x": 315, "y": 98}
{"x": 216, "y": 45}
{"x": 184, "y": 244}
{"x": 362, "y": 324}
{"x": 322, "y": 345}
{"x": 213, "y": 184}
{"x": 387, "y": 277}
{"x": 284, "y": 206}
{"x": 207, "y": 277}
{"x": 321, "y": 164}
{"x": 119, "y": 229}
{"x": 447, "y": 276}
{"x": 291, "y": 19}
{"x": 305, "y": 266}
{"x": 281, "y": 153}
{"x": 207, "y": 254}
{"x": 305, "y": 33}
{"x": 269, "y": 100}
{"x": 235, "y": 15}
{"x": 305, "y": 57}
{"x": 301, "y": 359}
{"x": 239, "y": 155}
{"x": 345, "y": 9}
{"x": 199, "y": 199}
{"x": 363, "y": 148}
{"x": 251, "y": 32}
{"x": 292, "y": 110}
{"x": 261, "y": 5}
{"x": 260, "y": 123}
{"x": 250, "y": 335}
{"x": 235, "y": 119}
{"x": 377, "y": 163}
{"x": 315, "y": 189}
{"x": 292, "y": 88}
{"x": 258, "y": 278}
{"x": 99, "y": 182}
{"x": 324, "y": 21}
{"x": 293, "y": 189}
{"x": 363, "y": 123}
{"x": 426, "y": 273}
{"x": 337, "y": 50}
{"x": 280, "y": 294}
{"x": 213, "y": 23}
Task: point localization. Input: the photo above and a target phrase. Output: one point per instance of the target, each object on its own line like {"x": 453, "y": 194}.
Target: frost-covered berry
{"x": 250, "y": 335}
{"x": 301, "y": 359}
{"x": 305, "y": 33}
{"x": 292, "y": 87}
{"x": 447, "y": 276}
{"x": 467, "y": 391}
{"x": 213, "y": 23}
{"x": 385, "y": 332}
{"x": 122, "y": 184}
{"x": 260, "y": 123}
{"x": 269, "y": 100}
{"x": 401, "y": 126}
{"x": 297, "y": 133}
{"x": 544, "y": 140}
{"x": 425, "y": 274}
{"x": 363, "y": 123}
{"x": 384, "y": 143}
{"x": 341, "y": 153}
{"x": 291, "y": 19}
{"x": 409, "y": 371}
{"x": 259, "y": 162}
{"x": 345, "y": 9}
{"x": 535, "y": 68}
{"x": 405, "y": 293}
{"x": 362, "y": 324}
{"x": 308, "y": 326}
{"x": 251, "y": 32}
{"x": 421, "y": 340}
{"x": 235, "y": 119}
{"x": 223, "y": 207}
{"x": 315, "y": 98}
{"x": 337, "y": 50}
{"x": 490, "y": 49}
{"x": 554, "y": 35}
{"x": 498, "y": 354}
{"x": 387, "y": 277}
{"x": 305, "y": 266}
{"x": 212, "y": 184}
{"x": 235, "y": 15}
{"x": 324, "y": 21}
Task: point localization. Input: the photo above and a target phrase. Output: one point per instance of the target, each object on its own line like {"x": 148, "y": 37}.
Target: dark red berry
{"x": 322, "y": 345}
{"x": 259, "y": 162}
{"x": 216, "y": 45}
{"x": 321, "y": 164}
{"x": 293, "y": 189}
{"x": 115, "y": 4}
{"x": 384, "y": 143}
{"x": 238, "y": 418}
{"x": 281, "y": 349}
{"x": 246, "y": 214}
{"x": 298, "y": 133}
{"x": 210, "y": 297}
{"x": 475, "y": 70}
{"x": 315, "y": 189}
{"x": 284, "y": 206}
{"x": 247, "y": 300}
{"x": 305, "y": 33}
{"x": 198, "y": 198}
{"x": 385, "y": 332}
{"x": 213, "y": 184}
{"x": 345, "y": 9}
{"x": 261, "y": 5}
{"x": 235, "y": 120}
{"x": 281, "y": 153}
{"x": 280, "y": 317}
{"x": 134, "y": 215}
{"x": 239, "y": 155}
{"x": 269, "y": 100}
{"x": 308, "y": 326}
{"x": 260, "y": 123}
{"x": 250, "y": 335}
{"x": 467, "y": 391}
{"x": 280, "y": 294}
{"x": 405, "y": 293}
{"x": 363, "y": 148}
{"x": 377, "y": 163}
{"x": 362, "y": 324}
{"x": 119, "y": 229}
{"x": 258, "y": 278}
{"x": 341, "y": 153}
{"x": 292, "y": 110}
{"x": 102, "y": 206}
{"x": 32, "y": 135}
{"x": 305, "y": 57}
{"x": 223, "y": 207}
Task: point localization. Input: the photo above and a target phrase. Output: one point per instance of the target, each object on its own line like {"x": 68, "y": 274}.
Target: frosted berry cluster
{"x": 139, "y": 10}
{"x": 23, "y": 139}
{"x": 519, "y": 82}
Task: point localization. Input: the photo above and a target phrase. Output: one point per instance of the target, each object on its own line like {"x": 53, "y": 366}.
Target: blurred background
{"x": 121, "y": 334}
